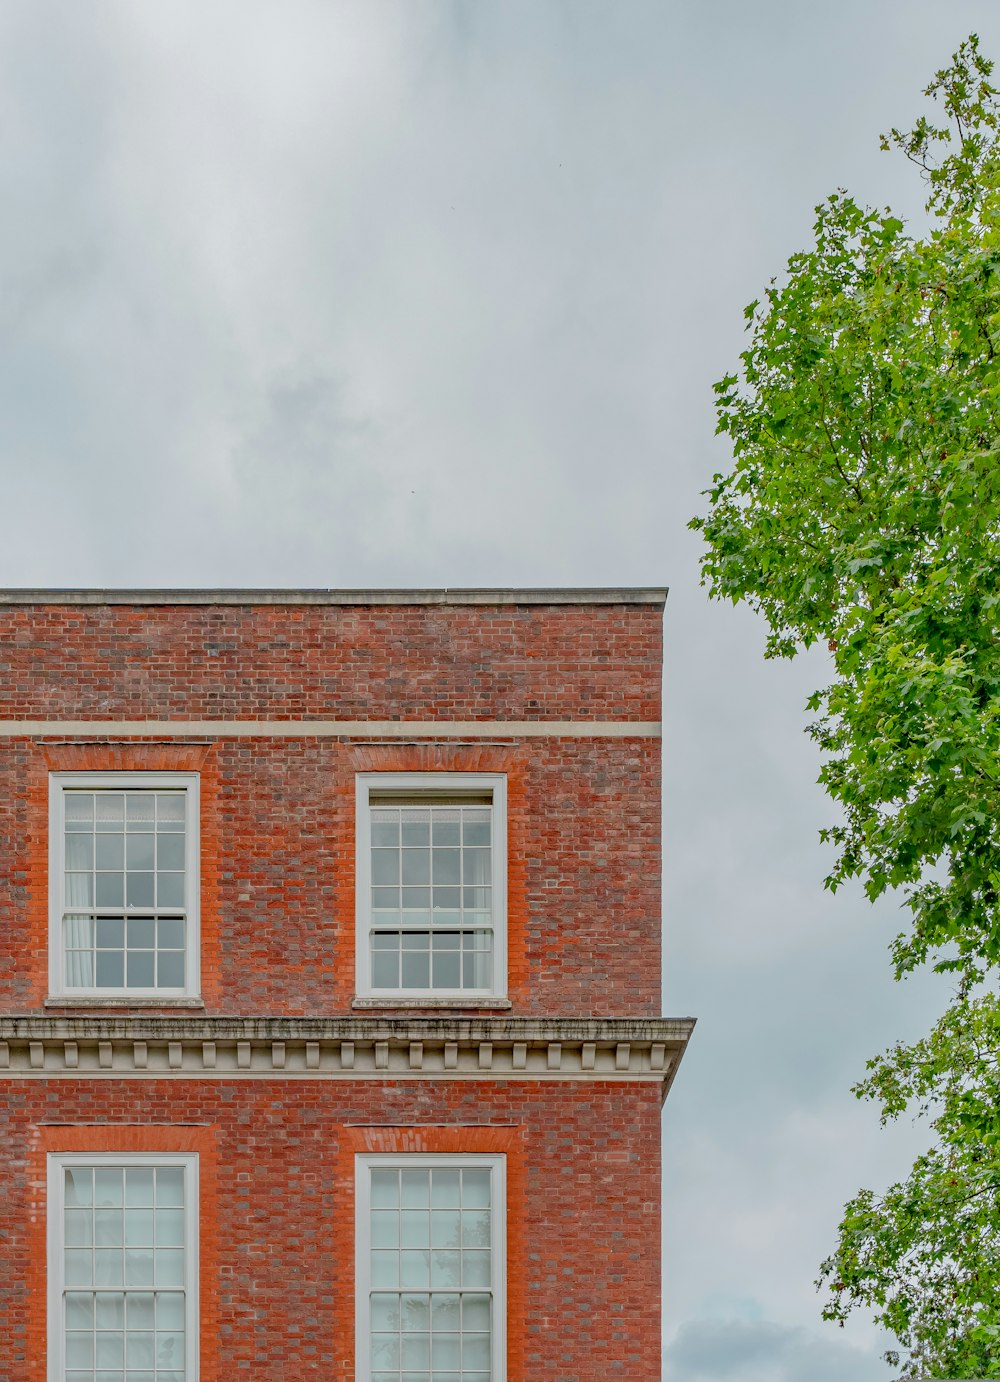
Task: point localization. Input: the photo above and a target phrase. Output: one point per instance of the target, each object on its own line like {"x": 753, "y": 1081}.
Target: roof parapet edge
{"x": 556, "y": 595}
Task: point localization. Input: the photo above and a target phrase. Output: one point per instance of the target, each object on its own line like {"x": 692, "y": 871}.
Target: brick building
{"x": 330, "y": 1042}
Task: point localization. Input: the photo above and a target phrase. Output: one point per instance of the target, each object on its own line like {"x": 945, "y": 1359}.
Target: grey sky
{"x": 329, "y": 293}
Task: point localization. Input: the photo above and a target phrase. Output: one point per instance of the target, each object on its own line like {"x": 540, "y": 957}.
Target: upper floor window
{"x": 431, "y": 881}
{"x": 124, "y": 884}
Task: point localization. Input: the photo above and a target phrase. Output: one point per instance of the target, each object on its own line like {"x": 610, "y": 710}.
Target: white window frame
{"x": 57, "y": 1164}
{"x": 454, "y": 786}
{"x": 364, "y": 1165}
{"x": 124, "y": 781}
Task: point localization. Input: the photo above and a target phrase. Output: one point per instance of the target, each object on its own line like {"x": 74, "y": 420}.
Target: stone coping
{"x": 561, "y": 595}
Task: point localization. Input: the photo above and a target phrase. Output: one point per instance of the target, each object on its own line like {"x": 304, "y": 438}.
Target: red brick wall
{"x": 277, "y": 1160}
{"x": 278, "y": 814}
{"x": 383, "y": 662}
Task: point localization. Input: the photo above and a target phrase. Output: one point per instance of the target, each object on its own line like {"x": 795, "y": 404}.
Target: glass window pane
{"x": 110, "y": 1351}
{"x": 385, "y": 970}
{"x": 170, "y": 808}
{"x": 139, "y": 851}
{"x": 139, "y": 890}
{"x": 169, "y": 851}
{"x": 414, "y": 1269}
{"x": 79, "y": 1228}
{"x": 110, "y": 969}
{"x": 79, "y": 1267}
{"x": 110, "y": 933}
{"x": 139, "y": 1185}
{"x": 476, "y": 1188}
{"x": 476, "y": 1228}
{"x": 415, "y": 1351}
{"x": 140, "y": 1310}
{"x": 108, "y": 1266}
{"x": 79, "y": 851}
{"x": 384, "y": 1188}
{"x": 416, "y": 867}
{"x": 170, "y": 1228}
{"x": 139, "y": 1228}
{"x": 476, "y": 1268}
{"x": 169, "y": 1310}
{"x": 476, "y": 1351}
{"x": 109, "y": 852}
{"x": 108, "y": 1186}
{"x": 447, "y": 1351}
{"x": 415, "y": 826}
{"x": 110, "y": 890}
{"x": 447, "y": 866}
{"x": 169, "y": 1186}
{"x": 140, "y": 806}
{"x": 446, "y": 1268}
{"x": 169, "y": 1267}
{"x": 79, "y": 1310}
{"x": 108, "y": 1227}
{"x": 415, "y": 1189}
{"x": 141, "y": 969}
{"x": 79, "y": 807}
{"x": 170, "y": 1350}
{"x": 416, "y": 969}
{"x": 170, "y": 969}
{"x": 447, "y": 969}
{"x": 446, "y": 1312}
{"x": 79, "y": 890}
{"x": 139, "y": 1266}
{"x": 170, "y": 933}
{"x": 170, "y": 890}
{"x": 109, "y": 1311}
{"x": 141, "y": 933}
{"x": 446, "y": 1228}
{"x": 109, "y": 810}
{"x": 385, "y": 1269}
{"x": 139, "y": 1353}
{"x": 446, "y": 1182}
{"x": 446, "y": 827}
{"x": 414, "y": 1228}
{"x": 79, "y": 1350}
{"x": 385, "y": 1228}
{"x": 79, "y": 1185}
{"x": 385, "y": 867}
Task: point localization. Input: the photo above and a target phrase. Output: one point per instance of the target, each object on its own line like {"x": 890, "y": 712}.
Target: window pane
{"x": 139, "y": 851}
{"x": 139, "y": 890}
{"x": 79, "y": 851}
{"x": 110, "y": 890}
{"x": 79, "y": 808}
{"x": 110, "y": 972}
{"x": 169, "y": 851}
{"x": 170, "y": 969}
{"x": 109, "y": 811}
{"x": 140, "y": 806}
{"x": 109, "y": 852}
{"x": 170, "y": 809}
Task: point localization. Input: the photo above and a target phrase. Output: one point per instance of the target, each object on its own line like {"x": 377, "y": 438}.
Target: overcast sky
{"x": 318, "y": 293}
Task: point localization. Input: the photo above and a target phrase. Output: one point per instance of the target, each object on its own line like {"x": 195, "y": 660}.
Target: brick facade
{"x": 274, "y": 1074}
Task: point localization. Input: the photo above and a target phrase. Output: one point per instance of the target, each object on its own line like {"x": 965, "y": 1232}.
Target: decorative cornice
{"x": 147, "y": 1046}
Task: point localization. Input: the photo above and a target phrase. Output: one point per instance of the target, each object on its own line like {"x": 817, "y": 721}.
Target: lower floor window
{"x": 430, "y": 1272}
{"x": 122, "y": 1257}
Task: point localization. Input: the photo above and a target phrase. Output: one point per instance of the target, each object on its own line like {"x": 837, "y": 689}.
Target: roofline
{"x": 611, "y": 595}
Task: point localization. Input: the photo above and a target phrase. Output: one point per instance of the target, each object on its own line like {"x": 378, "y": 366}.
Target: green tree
{"x": 863, "y": 510}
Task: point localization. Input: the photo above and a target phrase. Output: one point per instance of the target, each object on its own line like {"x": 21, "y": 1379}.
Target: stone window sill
{"x": 464, "y": 1004}
{"x": 123, "y": 1004}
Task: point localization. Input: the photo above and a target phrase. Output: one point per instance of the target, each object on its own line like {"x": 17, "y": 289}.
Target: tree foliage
{"x": 863, "y": 510}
